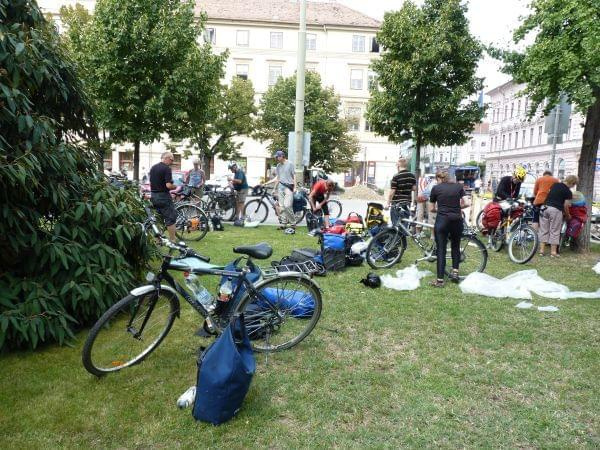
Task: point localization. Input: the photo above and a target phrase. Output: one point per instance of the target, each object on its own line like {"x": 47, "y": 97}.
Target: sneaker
{"x": 187, "y": 398}
{"x": 290, "y": 231}
{"x": 312, "y": 233}
{"x": 238, "y": 223}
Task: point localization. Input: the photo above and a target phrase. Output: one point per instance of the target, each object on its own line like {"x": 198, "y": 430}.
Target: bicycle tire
{"x": 256, "y": 210}
{"x": 299, "y": 216}
{"x": 471, "y": 261}
{"x": 523, "y": 235}
{"x": 595, "y": 233}
{"x": 95, "y": 351}
{"x": 479, "y": 221}
{"x": 277, "y": 318}
{"x": 387, "y": 246}
{"x": 335, "y": 209}
{"x": 497, "y": 240}
{"x": 192, "y": 223}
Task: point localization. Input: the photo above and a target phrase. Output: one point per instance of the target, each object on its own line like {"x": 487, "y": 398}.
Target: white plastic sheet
{"x": 407, "y": 279}
{"x": 547, "y": 308}
{"x": 596, "y": 268}
{"x": 519, "y": 285}
{"x": 254, "y": 224}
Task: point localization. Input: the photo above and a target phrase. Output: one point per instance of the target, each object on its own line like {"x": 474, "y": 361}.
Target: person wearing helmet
{"x": 240, "y": 185}
{"x": 510, "y": 185}
{"x": 195, "y": 178}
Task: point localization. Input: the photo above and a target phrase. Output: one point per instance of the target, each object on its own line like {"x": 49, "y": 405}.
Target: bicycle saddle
{"x": 258, "y": 251}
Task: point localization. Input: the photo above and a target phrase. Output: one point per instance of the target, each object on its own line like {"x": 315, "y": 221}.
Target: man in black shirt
{"x": 552, "y": 213}
{"x": 404, "y": 183}
{"x": 510, "y": 185}
{"x": 161, "y": 182}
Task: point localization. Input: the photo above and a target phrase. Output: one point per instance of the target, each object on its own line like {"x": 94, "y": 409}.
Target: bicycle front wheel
{"x": 282, "y": 312}
{"x": 473, "y": 256}
{"x": 335, "y": 209}
{"x": 479, "y": 221}
{"x": 386, "y": 249}
{"x": 129, "y": 331}
{"x": 192, "y": 222}
{"x": 256, "y": 210}
{"x": 523, "y": 244}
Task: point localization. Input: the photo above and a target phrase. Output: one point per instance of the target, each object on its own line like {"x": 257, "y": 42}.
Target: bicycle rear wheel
{"x": 256, "y": 210}
{"x": 335, "y": 209}
{"x": 473, "y": 256}
{"x": 282, "y": 313}
{"x": 386, "y": 249}
{"x": 479, "y": 221}
{"x": 299, "y": 216}
{"x": 192, "y": 222}
{"x": 129, "y": 331}
{"x": 523, "y": 244}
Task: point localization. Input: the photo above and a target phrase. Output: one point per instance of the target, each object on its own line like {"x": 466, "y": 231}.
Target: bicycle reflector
{"x": 150, "y": 277}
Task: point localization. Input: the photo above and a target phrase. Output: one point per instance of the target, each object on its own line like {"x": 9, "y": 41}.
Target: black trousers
{"x": 444, "y": 228}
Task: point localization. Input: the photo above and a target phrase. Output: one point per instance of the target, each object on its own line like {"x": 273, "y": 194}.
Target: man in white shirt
{"x": 286, "y": 185}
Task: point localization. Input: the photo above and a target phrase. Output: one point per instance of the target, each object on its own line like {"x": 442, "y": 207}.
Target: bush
{"x": 69, "y": 243}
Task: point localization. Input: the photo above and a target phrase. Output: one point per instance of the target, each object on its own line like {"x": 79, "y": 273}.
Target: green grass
{"x": 382, "y": 369}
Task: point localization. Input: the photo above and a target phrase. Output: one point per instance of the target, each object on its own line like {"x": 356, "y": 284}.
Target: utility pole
{"x": 299, "y": 122}
{"x": 555, "y": 136}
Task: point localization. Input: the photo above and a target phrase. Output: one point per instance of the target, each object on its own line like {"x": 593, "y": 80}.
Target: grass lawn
{"x": 382, "y": 369}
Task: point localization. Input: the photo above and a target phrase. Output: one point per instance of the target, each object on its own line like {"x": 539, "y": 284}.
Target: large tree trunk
{"x": 587, "y": 165}
{"x": 136, "y": 160}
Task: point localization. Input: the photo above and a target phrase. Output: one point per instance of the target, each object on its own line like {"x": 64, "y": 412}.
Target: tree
{"x": 143, "y": 66}
{"x": 332, "y": 147}
{"x": 69, "y": 243}
{"x": 564, "y": 59}
{"x": 232, "y": 114}
{"x": 426, "y": 73}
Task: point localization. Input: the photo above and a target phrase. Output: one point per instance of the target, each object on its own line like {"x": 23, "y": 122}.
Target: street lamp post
{"x": 300, "y": 81}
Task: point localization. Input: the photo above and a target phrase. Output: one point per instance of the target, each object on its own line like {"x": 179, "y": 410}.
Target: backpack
{"x": 374, "y": 215}
{"x": 299, "y": 202}
{"x": 312, "y": 221}
{"x": 574, "y": 227}
{"x": 492, "y": 215}
{"x": 216, "y": 223}
{"x": 353, "y": 259}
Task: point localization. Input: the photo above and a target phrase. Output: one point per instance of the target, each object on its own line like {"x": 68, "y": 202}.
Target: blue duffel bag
{"x": 225, "y": 371}
{"x": 300, "y": 304}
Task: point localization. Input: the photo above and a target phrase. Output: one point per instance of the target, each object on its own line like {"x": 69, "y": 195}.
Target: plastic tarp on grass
{"x": 407, "y": 279}
{"x": 519, "y": 285}
{"x": 596, "y": 268}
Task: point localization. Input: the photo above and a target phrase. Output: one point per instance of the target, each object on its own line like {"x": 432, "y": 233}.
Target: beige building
{"x": 515, "y": 139}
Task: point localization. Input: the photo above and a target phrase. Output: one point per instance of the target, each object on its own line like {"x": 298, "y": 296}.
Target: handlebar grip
{"x": 190, "y": 252}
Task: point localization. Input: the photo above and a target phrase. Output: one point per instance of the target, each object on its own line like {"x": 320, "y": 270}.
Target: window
{"x": 276, "y": 39}
{"x": 374, "y": 45}
{"x": 210, "y": 36}
{"x": 356, "y": 79}
{"x": 531, "y": 137}
{"x": 496, "y": 143}
{"x": 569, "y": 129}
{"x": 368, "y": 127}
{"x": 311, "y": 67}
{"x": 503, "y": 141}
{"x": 275, "y": 73}
{"x": 526, "y": 105}
{"x": 518, "y": 108}
{"x": 509, "y": 140}
{"x": 372, "y": 80}
{"x": 311, "y": 41}
{"x": 358, "y": 43}
{"x": 471, "y": 157}
{"x": 242, "y": 38}
{"x": 512, "y": 109}
{"x": 540, "y": 131}
{"x": 353, "y": 115}
{"x": 505, "y": 113}
{"x": 241, "y": 71}
{"x": 523, "y": 138}
{"x": 516, "y": 139}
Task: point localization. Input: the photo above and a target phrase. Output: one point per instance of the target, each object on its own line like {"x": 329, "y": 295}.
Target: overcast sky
{"x": 492, "y": 21}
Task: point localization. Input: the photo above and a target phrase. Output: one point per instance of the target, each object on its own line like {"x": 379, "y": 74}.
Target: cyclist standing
{"x": 285, "y": 179}
{"x": 196, "y": 178}
{"x": 161, "y": 182}
{"x": 240, "y": 186}
{"x": 510, "y": 185}
{"x": 404, "y": 183}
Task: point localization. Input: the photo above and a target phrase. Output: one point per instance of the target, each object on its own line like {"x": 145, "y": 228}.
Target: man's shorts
{"x": 241, "y": 195}
{"x": 164, "y": 205}
{"x": 325, "y": 208}
{"x": 536, "y": 214}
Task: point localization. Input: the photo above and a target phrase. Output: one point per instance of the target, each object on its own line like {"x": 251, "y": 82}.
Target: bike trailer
{"x": 225, "y": 371}
{"x": 492, "y": 215}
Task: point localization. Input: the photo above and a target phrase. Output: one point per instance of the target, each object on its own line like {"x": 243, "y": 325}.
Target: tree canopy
{"x": 426, "y": 76}
{"x": 145, "y": 70}
{"x": 564, "y": 60}
{"x": 69, "y": 244}
{"x": 332, "y": 146}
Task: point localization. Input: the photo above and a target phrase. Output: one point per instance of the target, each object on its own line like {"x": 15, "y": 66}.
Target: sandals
{"x": 454, "y": 277}
{"x": 437, "y": 283}
{"x": 555, "y": 256}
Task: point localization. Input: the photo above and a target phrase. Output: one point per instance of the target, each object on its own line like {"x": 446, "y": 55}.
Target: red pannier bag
{"x": 492, "y": 215}
{"x": 336, "y": 229}
{"x": 354, "y": 218}
{"x": 578, "y": 218}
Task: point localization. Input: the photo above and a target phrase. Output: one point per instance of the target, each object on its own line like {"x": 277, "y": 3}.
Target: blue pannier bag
{"x": 299, "y": 202}
{"x": 334, "y": 241}
{"x": 300, "y": 305}
{"x": 225, "y": 371}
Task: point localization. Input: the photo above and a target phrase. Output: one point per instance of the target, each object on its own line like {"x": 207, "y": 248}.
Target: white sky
{"x": 492, "y": 21}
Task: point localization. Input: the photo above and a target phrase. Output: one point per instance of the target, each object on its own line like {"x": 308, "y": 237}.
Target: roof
{"x": 285, "y": 11}
{"x": 498, "y": 88}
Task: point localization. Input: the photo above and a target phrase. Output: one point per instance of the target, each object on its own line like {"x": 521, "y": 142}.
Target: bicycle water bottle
{"x": 225, "y": 291}
{"x": 201, "y": 294}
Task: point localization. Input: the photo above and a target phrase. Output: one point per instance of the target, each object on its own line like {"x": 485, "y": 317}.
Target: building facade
{"x": 514, "y": 139}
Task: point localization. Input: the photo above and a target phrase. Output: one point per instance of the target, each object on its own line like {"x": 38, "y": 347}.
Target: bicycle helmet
{"x": 232, "y": 165}
{"x": 372, "y": 280}
{"x": 520, "y": 173}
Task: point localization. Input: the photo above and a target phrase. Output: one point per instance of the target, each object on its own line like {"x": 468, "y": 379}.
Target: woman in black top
{"x": 448, "y": 200}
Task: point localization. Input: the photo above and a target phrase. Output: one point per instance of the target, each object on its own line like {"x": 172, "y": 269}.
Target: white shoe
{"x": 187, "y": 398}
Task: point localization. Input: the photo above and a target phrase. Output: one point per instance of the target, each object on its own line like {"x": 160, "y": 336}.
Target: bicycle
{"x": 280, "y": 309}
{"x": 220, "y": 202}
{"x": 258, "y": 209}
{"x": 514, "y": 231}
{"x": 388, "y": 246}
